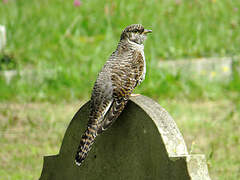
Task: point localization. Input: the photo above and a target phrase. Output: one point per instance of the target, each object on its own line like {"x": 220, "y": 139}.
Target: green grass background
{"x": 64, "y": 47}
{"x": 74, "y": 42}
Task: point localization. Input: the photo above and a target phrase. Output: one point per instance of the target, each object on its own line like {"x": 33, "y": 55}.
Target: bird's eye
{"x": 135, "y": 30}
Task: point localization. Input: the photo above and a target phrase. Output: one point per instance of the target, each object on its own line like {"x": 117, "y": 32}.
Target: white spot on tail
{"x": 77, "y": 163}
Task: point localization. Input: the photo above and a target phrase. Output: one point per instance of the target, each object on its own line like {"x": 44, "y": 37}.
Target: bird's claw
{"x": 134, "y": 95}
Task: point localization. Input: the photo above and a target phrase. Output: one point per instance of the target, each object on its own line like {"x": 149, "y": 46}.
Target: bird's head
{"x": 135, "y": 33}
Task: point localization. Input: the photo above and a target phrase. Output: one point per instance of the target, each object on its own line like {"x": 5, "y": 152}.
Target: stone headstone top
{"x": 3, "y": 38}
{"x": 143, "y": 143}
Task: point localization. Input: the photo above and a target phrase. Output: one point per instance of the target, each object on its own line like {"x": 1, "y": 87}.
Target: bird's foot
{"x": 134, "y": 95}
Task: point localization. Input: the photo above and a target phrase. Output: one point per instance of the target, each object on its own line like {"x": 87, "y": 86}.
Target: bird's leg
{"x": 134, "y": 95}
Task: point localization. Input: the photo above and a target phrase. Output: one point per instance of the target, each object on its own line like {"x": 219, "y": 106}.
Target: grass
{"x": 61, "y": 48}
{"x": 210, "y": 127}
{"x": 74, "y": 42}
{"x": 31, "y": 130}
{"x": 28, "y": 131}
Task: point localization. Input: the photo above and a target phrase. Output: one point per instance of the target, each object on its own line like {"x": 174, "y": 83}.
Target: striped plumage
{"x": 124, "y": 70}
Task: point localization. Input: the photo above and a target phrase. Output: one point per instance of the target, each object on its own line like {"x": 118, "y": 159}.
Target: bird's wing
{"x": 101, "y": 99}
{"x": 124, "y": 77}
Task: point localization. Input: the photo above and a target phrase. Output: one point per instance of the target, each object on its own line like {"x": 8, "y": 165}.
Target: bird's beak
{"x": 147, "y": 31}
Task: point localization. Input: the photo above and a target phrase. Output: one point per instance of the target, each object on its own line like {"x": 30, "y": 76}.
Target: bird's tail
{"x": 85, "y": 145}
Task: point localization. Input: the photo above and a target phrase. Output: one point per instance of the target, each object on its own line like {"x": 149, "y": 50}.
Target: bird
{"x": 122, "y": 73}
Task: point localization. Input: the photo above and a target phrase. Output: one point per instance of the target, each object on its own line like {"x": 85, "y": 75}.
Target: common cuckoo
{"x": 124, "y": 70}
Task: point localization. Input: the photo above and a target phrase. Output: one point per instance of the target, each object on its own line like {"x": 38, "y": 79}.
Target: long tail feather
{"x": 85, "y": 145}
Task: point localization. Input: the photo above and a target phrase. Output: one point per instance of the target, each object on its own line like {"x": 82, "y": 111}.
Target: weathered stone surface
{"x": 143, "y": 143}
{"x": 3, "y": 38}
{"x": 8, "y": 75}
{"x": 214, "y": 69}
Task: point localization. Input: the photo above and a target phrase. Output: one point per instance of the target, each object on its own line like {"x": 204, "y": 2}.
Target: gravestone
{"x": 3, "y": 38}
{"x": 212, "y": 69}
{"x": 143, "y": 143}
